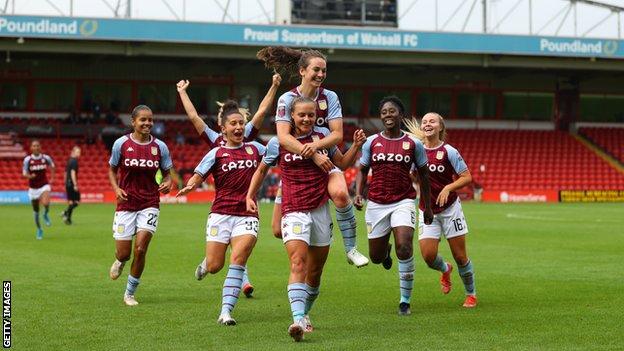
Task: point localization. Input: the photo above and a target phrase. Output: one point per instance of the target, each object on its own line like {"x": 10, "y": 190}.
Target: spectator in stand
{"x": 180, "y": 139}
{"x": 112, "y": 118}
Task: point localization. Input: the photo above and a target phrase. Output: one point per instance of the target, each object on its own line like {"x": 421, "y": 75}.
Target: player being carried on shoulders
{"x": 306, "y": 222}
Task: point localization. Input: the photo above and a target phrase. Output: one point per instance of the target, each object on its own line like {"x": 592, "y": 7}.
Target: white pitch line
{"x": 554, "y": 219}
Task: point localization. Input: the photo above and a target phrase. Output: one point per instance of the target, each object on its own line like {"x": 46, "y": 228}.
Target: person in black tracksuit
{"x": 71, "y": 185}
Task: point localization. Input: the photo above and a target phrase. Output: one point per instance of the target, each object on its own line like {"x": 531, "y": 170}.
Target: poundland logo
{"x": 598, "y": 47}
{"x": 46, "y": 26}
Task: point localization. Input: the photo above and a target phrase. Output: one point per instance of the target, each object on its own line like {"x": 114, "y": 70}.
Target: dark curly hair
{"x": 229, "y": 107}
{"x": 285, "y": 59}
{"x": 396, "y": 101}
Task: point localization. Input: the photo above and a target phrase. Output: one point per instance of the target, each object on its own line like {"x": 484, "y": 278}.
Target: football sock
{"x": 346, "y": 222}
{"x": 313, "y": 292}
{"x": 439, "y": 264}
{"x": 297, "y": 295}
{"x": 132, "y": 285}
{"x": 70, "y": 209}
{"x": 36, "y": 215}
{"x": 406, "y": 278}
{"x": 245, "y": 277}
{"x": 46, "y": 209}
{"x": 232, "y": 287}
{"x": 467, "y": 276}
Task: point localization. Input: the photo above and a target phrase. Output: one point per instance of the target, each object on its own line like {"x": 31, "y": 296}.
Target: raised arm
{"x": 191, "y": 112}
{"x": 267, "y": 102}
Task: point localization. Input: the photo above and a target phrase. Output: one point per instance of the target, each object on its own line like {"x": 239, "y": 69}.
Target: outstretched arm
{"x": 267, "y": 102}
{"x": 191, "y": 185}
{"x": 345, "y": 161}
{"x": 191, "y": 112}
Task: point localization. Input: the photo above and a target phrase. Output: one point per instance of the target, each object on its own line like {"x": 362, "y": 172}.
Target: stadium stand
{"x": 526, "y": 160}
{"x": 611, "y": 140}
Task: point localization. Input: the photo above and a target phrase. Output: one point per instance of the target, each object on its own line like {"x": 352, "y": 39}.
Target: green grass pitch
{"x": 547, "y": 277}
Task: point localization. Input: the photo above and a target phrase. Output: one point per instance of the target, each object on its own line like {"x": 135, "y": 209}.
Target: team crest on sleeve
{"x": 281, "y": 111}
{"x": 440, "y": 155}
{"x": 154, "y": 150}
{"x": 322, "y": 104}
{"x": 406, "y": 145}
{"x": 249, "y": 150}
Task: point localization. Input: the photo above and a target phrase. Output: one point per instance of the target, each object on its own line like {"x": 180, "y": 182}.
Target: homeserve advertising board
{"x": 303, "y": 36}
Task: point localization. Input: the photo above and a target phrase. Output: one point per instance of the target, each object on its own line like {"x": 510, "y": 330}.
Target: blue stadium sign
{"x": 304, "y": 36}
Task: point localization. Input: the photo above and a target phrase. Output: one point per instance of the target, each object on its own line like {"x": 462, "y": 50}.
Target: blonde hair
{"x": 414, "y": 128}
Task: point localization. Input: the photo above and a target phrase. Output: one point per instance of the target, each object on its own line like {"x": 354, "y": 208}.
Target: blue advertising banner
{"x": 14, "y": 197}
{"x": 304, "y": 36}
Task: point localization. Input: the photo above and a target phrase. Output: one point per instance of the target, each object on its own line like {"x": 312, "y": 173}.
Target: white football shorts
{"x": 380, "y": 218}
{"x": 451, "y": 223}
{"x": 314, "y": 227}
{"x": 127, "y": 223}
{"x": 35, "y": 194}
{"x": 221, "y": 228}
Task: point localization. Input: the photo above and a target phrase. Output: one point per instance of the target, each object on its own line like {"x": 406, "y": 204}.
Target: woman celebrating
{"x": 311, "y": 65}
{"x": 391, "y": 155}
{"x": 34, "y": 169}
{"x": 229, "y": 222}
{"x": 306, "y": 222}
{"x": 214, "y": 139}
{"x": 447, "y": 172}
{"x": 137, "y": 156}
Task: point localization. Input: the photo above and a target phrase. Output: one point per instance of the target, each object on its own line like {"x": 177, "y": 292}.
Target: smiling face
{"x": 143, "y": 122}
{"x": 233, "y": 128}
{"x": 315, "y": 73}
{"x": 35, "y": 147}
{"x": 304, "y": 117}
{"x": 390, "y": 116}
{"x": 431, "y": 125}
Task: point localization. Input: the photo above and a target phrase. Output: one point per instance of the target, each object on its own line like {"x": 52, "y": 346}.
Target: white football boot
{"x": 129, "y": 300}
{"x": 296, "y": 330}
{"x": 308, "y": 324}
{"x": 356, "y": 258}
{"x": 226, "y": 319}
{"x": 200, "y": 271}
{"x": 116, "y": 268}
